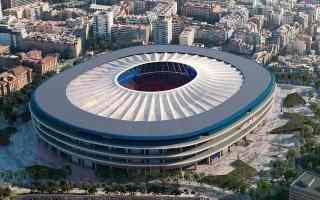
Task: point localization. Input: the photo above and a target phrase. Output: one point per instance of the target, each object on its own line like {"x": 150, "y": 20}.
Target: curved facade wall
{"x": 212, "y": 142}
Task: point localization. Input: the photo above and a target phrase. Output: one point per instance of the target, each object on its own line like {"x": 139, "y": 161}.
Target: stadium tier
{"x": 152, "y": 107}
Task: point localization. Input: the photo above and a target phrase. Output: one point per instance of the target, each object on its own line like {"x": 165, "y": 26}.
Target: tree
{"x": 188, "y": 175}
{"x": 51, "y": 187}
{"x": 264, "y": 189}
{"x": 92, "y": 189}
{"x": 307, "y": 132}
{"x": 121, "y": 188}
{"x": 65, "y": 186}
{"x": 289, "y": 176}
{"x": 38, "y": 187}
{"x": 243, "y": 187}
{"x": 4, "y": 192}
{"x": 293, "y": 100}
{"x": 317, "y": 84}
{"x": 315, "y": 107}
{"x": 310, "y": 95}
{"x": 279, "y": 168}
{"x": 132, "y": 188}
{"x": 84, "y": 186}
{"x": 107, "y": 189}
{"x": 291, "y": 156}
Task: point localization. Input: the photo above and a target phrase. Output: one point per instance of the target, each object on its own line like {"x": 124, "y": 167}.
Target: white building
{"x": 187, "y": 36}
{"x": 0, "y": 11}
{"x": 255, "y": 3}
{"x": 162, "y": 30}
{"x": 102, "y": 24}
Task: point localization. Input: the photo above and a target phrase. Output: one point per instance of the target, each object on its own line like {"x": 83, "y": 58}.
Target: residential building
{"x": 8, "y": 61}
{"x": 139, "y": 7}
{"x": 23, "y": 76}
{"x": 187, "y": 36}
{"x": 7, "y": 36}
{"x": 302, "y": 18}
{"x": 129, "y": 34}
{"x": 216, "y": 34}
{"x": 102, "y": 24}
{"x": 287, "y": 18}
{"x": 68, "y": 45}
{"x": 16, "y": 3}
{"x": 7, "y": 83}
{"x": 34, "y": 54}
{"x": 162, "y": 30}
{"x": 199, "y": 10}
{"x": 177, "y": 28}
{"x": 104, "y": 2}
{"x": 4, "y": 49}
{"x": 40, "y": 65}
{"x": 14, "y": 79}
{"x": 165, "y": 8}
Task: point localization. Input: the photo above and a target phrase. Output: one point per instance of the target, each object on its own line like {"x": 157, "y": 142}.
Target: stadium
{"x": 152, "y": 107}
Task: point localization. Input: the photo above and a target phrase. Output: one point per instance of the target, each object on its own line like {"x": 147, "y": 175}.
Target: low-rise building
{"x": 165, "y": 8}
{"x": 204, "y": 11}
{"x": 40, "y": 65}
{"x": 8, "y": 61}
{"x": 68, "y": 46}
{"x": 216, "y": 34}
{"x": 63, "y": 37}
{"x": 23, "y": 76}
{"x": 4, "y": 49}
{"x": 34, "y": 54}
{"x": 14, "y": 79}
{"x": 7, "y": 83}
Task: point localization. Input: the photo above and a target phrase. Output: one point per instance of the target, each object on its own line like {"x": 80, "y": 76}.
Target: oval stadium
{"x": 152, "y": 107}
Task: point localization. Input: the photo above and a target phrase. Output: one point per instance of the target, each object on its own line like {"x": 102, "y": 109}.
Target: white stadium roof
{"x": 98, "y": 92}
{"x": 225, "y": 88}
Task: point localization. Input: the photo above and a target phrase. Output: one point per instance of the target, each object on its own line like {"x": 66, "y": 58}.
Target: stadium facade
{"x": 162, "y": 107}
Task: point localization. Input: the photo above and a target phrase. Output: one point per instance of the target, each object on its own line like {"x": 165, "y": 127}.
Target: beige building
{"x": 15, "y": 79}
{"x": 23, "y": 76}
{"x": 187, "y": 36}
{"x": 40, "y": 65}
{"x": 4, "y": 49}
{"x": 130, "y": 34}
{"x": 69, "y": 46}
{"x": 7, "y": 83}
